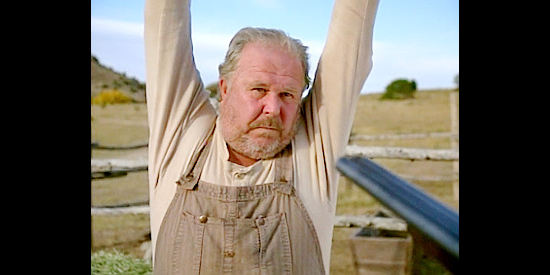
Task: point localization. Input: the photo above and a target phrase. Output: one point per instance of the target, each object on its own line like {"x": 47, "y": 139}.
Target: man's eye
{"x": 288, "y": 95}
{"x": 259, "y": 89}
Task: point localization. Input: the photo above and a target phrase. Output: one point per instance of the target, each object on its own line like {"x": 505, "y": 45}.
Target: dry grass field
{"x": 127, "y": 124}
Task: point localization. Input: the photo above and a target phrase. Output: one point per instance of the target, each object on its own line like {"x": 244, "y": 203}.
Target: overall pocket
{"x": 274, "y": 244}
{"x": 211, "y": 245}
{"x": 188, "y": 245}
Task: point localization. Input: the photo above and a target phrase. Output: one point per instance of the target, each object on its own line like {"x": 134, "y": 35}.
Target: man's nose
{"x": 272, "y": 104}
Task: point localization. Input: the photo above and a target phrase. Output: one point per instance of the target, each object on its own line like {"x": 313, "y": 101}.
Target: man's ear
{"x": 222, "y": 89}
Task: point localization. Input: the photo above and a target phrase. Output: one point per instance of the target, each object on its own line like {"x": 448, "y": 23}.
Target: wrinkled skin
{"x": 260, "y": 103}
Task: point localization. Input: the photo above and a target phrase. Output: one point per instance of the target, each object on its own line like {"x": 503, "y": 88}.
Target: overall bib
{"x": 215, "y": 229}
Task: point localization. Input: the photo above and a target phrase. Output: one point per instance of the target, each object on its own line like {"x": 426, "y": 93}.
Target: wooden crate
{"x": 381, "y": 251}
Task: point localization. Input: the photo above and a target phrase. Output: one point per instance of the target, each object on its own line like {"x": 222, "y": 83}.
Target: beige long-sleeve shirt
{"x": 180, "y": 115}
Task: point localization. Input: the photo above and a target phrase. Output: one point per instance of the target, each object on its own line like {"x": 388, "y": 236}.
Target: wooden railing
{"x": 101, "y": 168}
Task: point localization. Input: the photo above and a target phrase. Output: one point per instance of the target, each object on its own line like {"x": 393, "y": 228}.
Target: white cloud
{"x": 210, "y": 48}
{"x": 430, "y": 67}
{"x": 212, "y": 41}
{"x": 116, "y": 27}
{"x": 120, "y": 44}
{"x": 209, "y": 51}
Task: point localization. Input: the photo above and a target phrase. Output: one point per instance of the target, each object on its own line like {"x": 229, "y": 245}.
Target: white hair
{"x": 271, "y": 36}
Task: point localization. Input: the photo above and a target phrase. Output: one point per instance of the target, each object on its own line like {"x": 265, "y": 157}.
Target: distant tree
{"x": 400, "y": 89}
{"x": 213, "y": 88}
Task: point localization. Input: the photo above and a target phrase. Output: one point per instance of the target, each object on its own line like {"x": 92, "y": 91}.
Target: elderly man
{"x": 253, "y": 190}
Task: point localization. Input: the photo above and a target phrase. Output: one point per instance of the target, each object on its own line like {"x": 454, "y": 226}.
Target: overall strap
{"x": 283, "y": 165}
{"x": 190, "y": 178}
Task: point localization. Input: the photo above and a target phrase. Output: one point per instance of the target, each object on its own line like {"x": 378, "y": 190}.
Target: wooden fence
{"x": 107, "y": 167}
{"x": 388, "y": 223}
{"x": 110, "y": 166}
{"x": 101, "y": 168}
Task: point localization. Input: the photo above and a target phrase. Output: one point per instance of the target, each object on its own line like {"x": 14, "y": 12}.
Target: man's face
{"x": 260, "y": 102}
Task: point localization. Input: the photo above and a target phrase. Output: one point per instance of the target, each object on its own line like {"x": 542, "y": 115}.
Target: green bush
{"x": 117, "y": 84}
{"x": 213, "y": 89}
{"x": 118, "y": 263}
{"x": 400, "y": 89}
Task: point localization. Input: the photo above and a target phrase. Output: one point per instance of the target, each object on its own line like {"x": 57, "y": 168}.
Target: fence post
{"x": 91, "y": 218}
{"x": 454, "y": 140}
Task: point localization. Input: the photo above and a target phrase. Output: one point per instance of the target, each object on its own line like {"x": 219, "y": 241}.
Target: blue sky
{"x": 412, "y": 39}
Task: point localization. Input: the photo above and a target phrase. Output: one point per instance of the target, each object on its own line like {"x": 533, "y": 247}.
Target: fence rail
{"x": 96, "y": 145}
{"x": 387, "y": 223}
{"x": 451, "y": 135}
{"x": 108, "y": 211}
{"x": 118, "y": 165}
{"x": 401, "y": 153}
{"x": 352, "y": 138}
{"x": 405, "y": 136}
{"x": 140, "y": 164}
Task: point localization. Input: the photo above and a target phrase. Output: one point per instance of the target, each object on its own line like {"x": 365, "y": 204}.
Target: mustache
{"x": 269, "y": 122}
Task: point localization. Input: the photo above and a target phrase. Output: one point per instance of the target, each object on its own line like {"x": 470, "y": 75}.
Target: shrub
{"x": 213, "y": 88}
{"x": 118, "y": 263}
{"x": 400, "y": 89}
{"x": 117, "y": 84}
{"x": 113, "y": 96}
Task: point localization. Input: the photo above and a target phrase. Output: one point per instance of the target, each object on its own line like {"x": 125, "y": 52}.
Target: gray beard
{"x": 242, "y": 144}
{"x": 249, "y": 148}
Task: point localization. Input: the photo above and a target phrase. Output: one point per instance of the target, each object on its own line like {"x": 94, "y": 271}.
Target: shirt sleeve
{"x": 329, "y": 108}
{"x": 177, "y": 102}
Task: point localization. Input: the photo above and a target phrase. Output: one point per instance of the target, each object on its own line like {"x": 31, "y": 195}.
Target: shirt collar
{"x": 222, "y": 148}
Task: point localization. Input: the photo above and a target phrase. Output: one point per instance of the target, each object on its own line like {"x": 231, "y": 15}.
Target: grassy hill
{"x": 105, "y": 78}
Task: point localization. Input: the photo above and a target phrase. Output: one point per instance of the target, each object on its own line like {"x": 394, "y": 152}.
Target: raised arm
{"x": 343, "y": 68}
{"x": 175, "y": 93}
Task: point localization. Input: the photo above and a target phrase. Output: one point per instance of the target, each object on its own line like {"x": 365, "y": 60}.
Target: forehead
{"x": 261, "y": 62}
